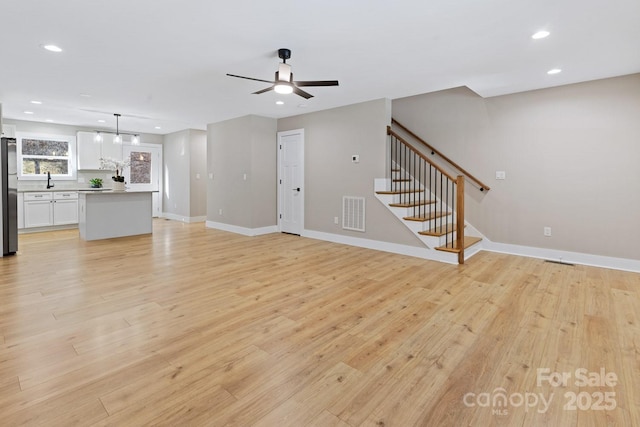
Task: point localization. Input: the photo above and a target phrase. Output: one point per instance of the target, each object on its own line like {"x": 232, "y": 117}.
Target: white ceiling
{"x": 163, "y": 62}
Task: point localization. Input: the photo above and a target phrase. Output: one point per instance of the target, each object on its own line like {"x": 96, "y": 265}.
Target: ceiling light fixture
{"x": 117, "y": 139}
{"x": 554, "y": 71}
{"x": 283, "y": 88}
{"x": 52, "y": 48}
{"x": 540, "y": 35}
{"x": 28, "y": 112}
{"x": 37, "y": 102}
{"x": 102, "y": 121}
{"x": 279, "y": 103}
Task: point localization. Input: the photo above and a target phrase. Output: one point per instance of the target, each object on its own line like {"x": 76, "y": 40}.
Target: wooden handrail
{"x": 445, "y": 158}
{"x": 418, "y": 153}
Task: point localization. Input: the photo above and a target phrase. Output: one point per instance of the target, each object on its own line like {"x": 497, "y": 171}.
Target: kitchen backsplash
{"x": 81, "y": 182}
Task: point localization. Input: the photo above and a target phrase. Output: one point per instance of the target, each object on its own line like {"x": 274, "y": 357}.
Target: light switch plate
{"x": 501, "y": 175}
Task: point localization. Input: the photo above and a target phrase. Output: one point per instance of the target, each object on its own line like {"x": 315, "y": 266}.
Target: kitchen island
{"x": 109, "y": 214}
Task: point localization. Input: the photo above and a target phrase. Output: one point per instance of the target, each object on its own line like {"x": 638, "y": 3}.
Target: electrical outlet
{"x": 219, "y": 211}
{"x": 335, "y": 220}
{"x": 547, "y": 231}
{"x": 197, "y": 176}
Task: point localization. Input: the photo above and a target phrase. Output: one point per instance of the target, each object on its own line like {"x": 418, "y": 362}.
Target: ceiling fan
{"x": 284, "y": 83}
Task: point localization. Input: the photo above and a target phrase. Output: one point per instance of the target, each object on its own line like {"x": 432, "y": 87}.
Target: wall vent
{"x": 353, "y": 213}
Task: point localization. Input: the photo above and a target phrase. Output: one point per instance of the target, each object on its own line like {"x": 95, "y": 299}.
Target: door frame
{"x": 281, "y": 192}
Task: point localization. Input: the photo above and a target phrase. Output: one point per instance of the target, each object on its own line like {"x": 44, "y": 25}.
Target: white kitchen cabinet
{"x": 51, "y": 208}
{"x": 38, "y": 210}
{"x": 65, "y": 208}
{"x": 90, "y": 150}
{"x": 8, "y": 131}
{"x": 110, "y": 149}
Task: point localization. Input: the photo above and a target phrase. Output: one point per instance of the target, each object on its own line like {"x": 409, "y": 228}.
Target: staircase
{"x": 429, "y": 201}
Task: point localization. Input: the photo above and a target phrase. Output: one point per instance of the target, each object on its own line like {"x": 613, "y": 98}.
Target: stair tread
{"x": 398, "y": 191}
{"x": 453, "y": 247}
{"x": 412, "y": 204}
{"x": 439, "y": 230}
{"x": 427, "y": 217}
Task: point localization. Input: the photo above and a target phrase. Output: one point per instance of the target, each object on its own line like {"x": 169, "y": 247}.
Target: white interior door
{"x": 144, "y": 172}
{"x": 291, "y": 181}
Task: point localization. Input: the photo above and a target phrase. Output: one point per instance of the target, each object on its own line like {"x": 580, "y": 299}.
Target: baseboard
{"x": 187, "y": 219}
{"x": 564, "y": 256}
{"x": 415, "y": 251}
{"x": 242, "y": 230}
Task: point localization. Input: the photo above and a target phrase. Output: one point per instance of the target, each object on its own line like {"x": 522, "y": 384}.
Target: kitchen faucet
{"x": 49, "y": 183}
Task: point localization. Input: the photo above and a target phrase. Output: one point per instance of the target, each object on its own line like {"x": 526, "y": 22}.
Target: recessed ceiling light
{"x": 102, "y": 121}
{"x": 554, "y": 71}
{"x": 28, "y": 112}
{"x": 49, "y": 121}
{"x": 85, "y": 95}
{"x": 36, "y": 102}
{"x": 540, "y": 35}
{"x": 52, "y": 48}
{"x": 279, "y": 103}
{"x": 157, "y": 127}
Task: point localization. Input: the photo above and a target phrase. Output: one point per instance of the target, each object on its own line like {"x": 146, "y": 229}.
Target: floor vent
{"x": 353, "y": 213}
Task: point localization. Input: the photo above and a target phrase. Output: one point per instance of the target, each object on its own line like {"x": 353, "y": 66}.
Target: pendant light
{"x": 117, "y": 139}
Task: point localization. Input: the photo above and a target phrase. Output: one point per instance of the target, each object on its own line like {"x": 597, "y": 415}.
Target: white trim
{"x": 242, "y": 230}
{"x": 563, "y": 256}
{"x": 526, "y": 251}
{"x": 181, "y": 218}
{"x": 415, "y": 251}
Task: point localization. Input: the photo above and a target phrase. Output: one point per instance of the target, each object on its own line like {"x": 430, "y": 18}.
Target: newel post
{"x": 460, "y": 218}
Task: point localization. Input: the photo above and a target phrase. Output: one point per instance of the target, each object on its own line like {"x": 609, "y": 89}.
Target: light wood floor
{"x": 193, "y": 326}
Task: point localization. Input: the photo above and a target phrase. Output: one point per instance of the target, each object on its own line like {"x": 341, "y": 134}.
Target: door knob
{"x": 297, "y": 189}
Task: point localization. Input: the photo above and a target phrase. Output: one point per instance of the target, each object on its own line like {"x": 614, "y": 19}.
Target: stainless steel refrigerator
{"x": 8, "y": 167}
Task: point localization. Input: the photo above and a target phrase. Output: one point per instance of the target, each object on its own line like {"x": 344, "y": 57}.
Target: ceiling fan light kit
{"x": 284, "y": 83}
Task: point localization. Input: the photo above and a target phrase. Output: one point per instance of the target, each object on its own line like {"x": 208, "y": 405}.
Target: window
{"x": 39, "y": 154}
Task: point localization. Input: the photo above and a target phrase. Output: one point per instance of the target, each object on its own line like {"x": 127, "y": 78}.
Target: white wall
{"x": 570, "y": 154}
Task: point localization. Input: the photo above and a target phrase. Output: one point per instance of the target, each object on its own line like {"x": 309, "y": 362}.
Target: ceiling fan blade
{"x": 250, "y": 78}
{"x": 317, "y": 83}
{"x": 263, "y": 90}
{"x": 302, "y": 93}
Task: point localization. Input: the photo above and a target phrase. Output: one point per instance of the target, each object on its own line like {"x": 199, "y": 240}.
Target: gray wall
{"x": 236, "y": 148}
{"x": 570, "y": 155}
{"x": 198, "y": 178}
{"x": 331, "y": 138}
{"x": 185, "y": 173}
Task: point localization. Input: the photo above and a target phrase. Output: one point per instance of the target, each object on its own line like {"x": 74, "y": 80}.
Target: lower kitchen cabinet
{"x": 52, "y": 208}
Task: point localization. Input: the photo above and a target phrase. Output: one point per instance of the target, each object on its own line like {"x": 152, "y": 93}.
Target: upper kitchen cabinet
{"x": 111, "y": 149}
{"x": 92, "y": 146}
{"x": 89, "y": 151}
